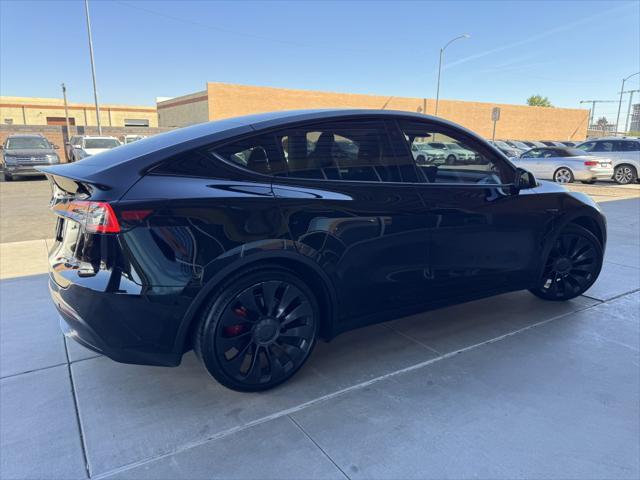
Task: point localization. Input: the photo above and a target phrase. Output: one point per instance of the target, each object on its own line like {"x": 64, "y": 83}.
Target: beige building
{"x": 50, "y": 111}
{"x": 221, "y": 100}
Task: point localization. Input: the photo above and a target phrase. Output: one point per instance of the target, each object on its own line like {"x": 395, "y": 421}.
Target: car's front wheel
{"x": 258, "y": 330}
{"x": 563, "y": 175}
{"x": 7, "y": 177}
{"x": 572, "y": 266}
{"x": 451, "y": 160}
{"x": 625, "y": 174}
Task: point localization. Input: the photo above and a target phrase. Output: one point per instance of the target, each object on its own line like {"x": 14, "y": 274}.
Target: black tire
{"x": 572, "y": 266}
{"x": 624, "y": 174}
{"x": 7, "y": 177}
{"x": 258, "y": 330}
{"x": 563, "y": 175}
{"x": 451, "y": 160}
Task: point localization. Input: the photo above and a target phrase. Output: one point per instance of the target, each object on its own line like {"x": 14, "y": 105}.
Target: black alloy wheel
{"x": 258, "y": 331}
{"x": 572, "y": 266}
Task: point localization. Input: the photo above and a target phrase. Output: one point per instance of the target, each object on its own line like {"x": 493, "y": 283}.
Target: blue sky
{"x": 568, "y": 51}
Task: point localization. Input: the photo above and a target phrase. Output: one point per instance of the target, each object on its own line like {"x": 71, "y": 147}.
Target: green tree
{"x": 538, "y": 101}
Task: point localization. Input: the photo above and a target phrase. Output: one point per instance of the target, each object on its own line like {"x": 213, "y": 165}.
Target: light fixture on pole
{"x": 620, "y": 101}
{"x": 93, "y": 67}
{"x": 466, "y": 35}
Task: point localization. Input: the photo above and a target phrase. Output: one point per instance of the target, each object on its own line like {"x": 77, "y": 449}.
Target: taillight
{"x": 95, "y": 217}
{"x": 591, "y": 163}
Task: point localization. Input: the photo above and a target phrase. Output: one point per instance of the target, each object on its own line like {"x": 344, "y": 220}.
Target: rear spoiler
{"x": 73, "y": 180}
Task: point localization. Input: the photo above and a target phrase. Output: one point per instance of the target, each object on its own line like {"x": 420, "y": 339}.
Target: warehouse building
{"x": 50, "y": 111}
{"x": 221, "y": 100}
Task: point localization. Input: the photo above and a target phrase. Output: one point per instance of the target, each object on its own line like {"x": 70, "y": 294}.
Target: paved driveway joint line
{"x": 291, "y": 410}
{"x": 304, "y": 432}
{"x": 77, "y": 412}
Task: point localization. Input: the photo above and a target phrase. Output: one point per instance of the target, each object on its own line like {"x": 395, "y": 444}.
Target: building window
{"x": 8, "y": 121}
{"x": 136, "y": 122}
{"x": 61, "y": 121}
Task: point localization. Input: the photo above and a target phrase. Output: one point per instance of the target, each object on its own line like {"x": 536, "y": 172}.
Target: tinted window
{"x": 258, "y": 153}
{"x": 603, "y": 146}
{"x": 101, "y": 143}
{"x": 587, "y": 147}
{"x": 345, "y": 151}
{"x": 629, "y": 146}
{"x": 470, "y": 163}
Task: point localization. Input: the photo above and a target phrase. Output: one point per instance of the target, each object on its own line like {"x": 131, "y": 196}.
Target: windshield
{"x": 19, "y": 143}
{"x": 101, "y": 143}
{"x": 503, "y": 145}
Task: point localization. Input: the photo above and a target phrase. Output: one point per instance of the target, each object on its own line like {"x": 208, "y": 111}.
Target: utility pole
{"x": 620, "y": 101}
{"x": 626, "y": 123}
{"x": 466, "y": 35}
{"x": 93, "y": 66}
{"x": 593, "y": 107}
{"x": 66, "y": 110}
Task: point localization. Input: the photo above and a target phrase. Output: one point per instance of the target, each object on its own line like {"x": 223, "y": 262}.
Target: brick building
{"x": 220, "y": 100}
{"x": 50, "y": 111}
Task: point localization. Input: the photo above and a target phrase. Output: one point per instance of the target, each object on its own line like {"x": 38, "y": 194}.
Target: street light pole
{"x": 93, "y": 66}
{"x": 620, "y": 101}
{"x": 440, "y": 66}
{"x": 66, "y": 110}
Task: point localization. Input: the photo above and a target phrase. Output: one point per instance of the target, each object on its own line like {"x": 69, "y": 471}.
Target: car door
{"x": 352, "y": 205}
{"x": 484, "y": 237}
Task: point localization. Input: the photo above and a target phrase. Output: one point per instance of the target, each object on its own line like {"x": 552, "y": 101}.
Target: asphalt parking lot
{"x": 506, "y": 387}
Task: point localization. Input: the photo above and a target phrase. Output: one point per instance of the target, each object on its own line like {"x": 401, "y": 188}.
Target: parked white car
{"x": 565, "y": 164}
{"x": 85, "y": 146}
{"x": 424, "y": 154}
{"x": 132, "y": 138}
{"x": 454, "y": 153}
{"x": 624, "y": 151}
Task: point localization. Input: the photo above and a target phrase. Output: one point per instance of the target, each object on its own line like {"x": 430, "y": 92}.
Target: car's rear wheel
{"x": 625, "y": 174}
{"x": 572, "y": 266}
{"x": 563, "y": 175}
{"x": 258, "y": 330}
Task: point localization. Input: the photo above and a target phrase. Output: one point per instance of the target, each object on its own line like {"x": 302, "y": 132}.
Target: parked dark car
{"x": 21, "y": 154}
{"x": 247, "y": 239}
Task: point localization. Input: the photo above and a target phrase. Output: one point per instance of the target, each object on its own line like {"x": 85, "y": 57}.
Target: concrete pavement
{"x": 506, "y": 387}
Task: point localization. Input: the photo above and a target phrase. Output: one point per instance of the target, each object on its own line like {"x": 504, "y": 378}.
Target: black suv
{"x": 21, "y": 154}
{"x": 247, "y": 239}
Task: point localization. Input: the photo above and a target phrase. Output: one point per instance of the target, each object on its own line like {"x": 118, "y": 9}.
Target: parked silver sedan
{"x": 564, "y": 165}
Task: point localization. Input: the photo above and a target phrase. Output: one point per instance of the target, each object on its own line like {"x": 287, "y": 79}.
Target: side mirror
{"x": 525, "y": 179}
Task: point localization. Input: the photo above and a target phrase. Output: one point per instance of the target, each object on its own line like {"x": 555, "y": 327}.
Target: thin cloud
{"x": 546, "y": 33}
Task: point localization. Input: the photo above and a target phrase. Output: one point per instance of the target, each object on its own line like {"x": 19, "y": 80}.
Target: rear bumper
{"x": 120, "y": 326}
{"x": 594, "y": 174}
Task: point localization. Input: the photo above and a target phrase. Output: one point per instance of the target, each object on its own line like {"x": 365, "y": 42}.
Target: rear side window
{"x": 258, "y": 154}
{"x": 345, "y": 151}
{"x": 628, "y": 146}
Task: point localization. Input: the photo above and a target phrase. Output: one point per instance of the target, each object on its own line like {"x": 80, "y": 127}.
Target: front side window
{"x": 344, "y": 151}
{"x": 462, "y": 160}
{"x": 587, "y": 147}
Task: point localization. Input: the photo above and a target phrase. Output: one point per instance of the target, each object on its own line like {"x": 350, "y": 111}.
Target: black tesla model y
{"x": 248, "y": 239}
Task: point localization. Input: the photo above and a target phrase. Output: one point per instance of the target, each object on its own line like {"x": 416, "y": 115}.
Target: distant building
{"x": 635, "y": 118}
{"x": 220, "y": 100}
{"x": 50, "y": 111}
